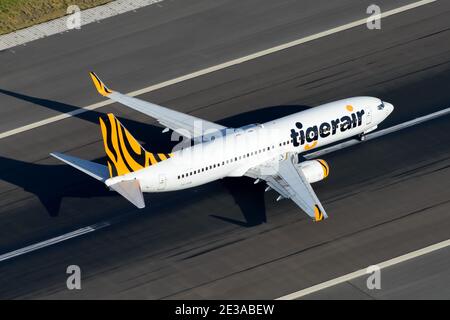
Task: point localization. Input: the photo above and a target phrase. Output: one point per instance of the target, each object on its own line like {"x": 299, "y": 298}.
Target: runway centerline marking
{"x": 52, "y": 241}
{"x": 101, "y": 225}
{"x": 218, "y": 67}
{"x": 363, "y": 272}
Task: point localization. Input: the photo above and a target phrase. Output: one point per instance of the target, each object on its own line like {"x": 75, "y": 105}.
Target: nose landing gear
{"x": 362, "y": 137}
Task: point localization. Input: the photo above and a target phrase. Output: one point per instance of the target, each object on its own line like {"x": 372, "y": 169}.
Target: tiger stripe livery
{"x": 99, "y": 85}
{"x": 326, "y": 168}
{"x": 124, "y": 153}
{"x": 318, "y": 214}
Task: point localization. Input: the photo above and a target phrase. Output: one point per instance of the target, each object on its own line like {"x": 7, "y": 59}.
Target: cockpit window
{"x": 381, "y": 106}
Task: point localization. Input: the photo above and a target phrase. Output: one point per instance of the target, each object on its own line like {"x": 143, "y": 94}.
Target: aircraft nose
{"x": 389, "y": 107}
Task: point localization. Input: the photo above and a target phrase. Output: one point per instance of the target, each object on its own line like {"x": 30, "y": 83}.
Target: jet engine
{"x": 314, "y": 170}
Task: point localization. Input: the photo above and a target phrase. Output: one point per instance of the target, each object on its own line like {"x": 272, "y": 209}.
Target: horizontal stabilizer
{"x": 130, "y": 190}
{"x": 95, "y": 170}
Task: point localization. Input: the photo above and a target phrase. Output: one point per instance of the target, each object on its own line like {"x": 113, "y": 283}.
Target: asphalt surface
{"x": 425, "y": 277}
{"x": 226, "y": 239}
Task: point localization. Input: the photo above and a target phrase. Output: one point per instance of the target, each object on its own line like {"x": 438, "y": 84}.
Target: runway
{"x": 385, "y": 197}
{"x": 410, "y": 280}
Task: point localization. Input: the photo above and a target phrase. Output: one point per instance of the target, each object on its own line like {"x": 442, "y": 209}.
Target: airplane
{"x": 272, "y": 152}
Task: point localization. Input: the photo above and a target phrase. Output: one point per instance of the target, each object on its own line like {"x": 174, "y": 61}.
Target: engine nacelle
{"x": 314, "y": 170}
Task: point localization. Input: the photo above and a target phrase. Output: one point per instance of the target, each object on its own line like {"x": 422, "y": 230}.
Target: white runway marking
{"x": 362, "y": 272}
{"x": 218, "y": 67}
{"x": 53, "y": 241}
{"x": 345, "y": 144}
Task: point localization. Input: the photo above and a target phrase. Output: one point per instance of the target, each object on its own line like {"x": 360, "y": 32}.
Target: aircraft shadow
{"x": 44, "y": 180}
{"x": 250, "y": 199}
{"x": 141, "y": 131}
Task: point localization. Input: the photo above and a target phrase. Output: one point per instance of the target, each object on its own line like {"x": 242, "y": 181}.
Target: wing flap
{"x": 276, "y": 185}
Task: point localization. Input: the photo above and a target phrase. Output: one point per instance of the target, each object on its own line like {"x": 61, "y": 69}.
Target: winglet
{"x": 99, "y": 85}
{"x": 318, "y": 214}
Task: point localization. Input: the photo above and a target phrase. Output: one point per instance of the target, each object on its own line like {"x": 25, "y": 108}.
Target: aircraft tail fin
{"x": 124, "y": 153}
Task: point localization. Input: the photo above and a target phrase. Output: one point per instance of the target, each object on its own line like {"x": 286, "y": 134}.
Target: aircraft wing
{"x": 184, "y": 124}
{"x": 290, "y": 182}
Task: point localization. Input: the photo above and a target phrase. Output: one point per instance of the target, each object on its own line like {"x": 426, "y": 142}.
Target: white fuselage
{"x": 234, "y": 153}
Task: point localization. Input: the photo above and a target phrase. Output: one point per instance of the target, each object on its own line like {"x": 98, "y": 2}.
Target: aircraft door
{"x": 369, "y": 117}
{"x": 162, "y": 182}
